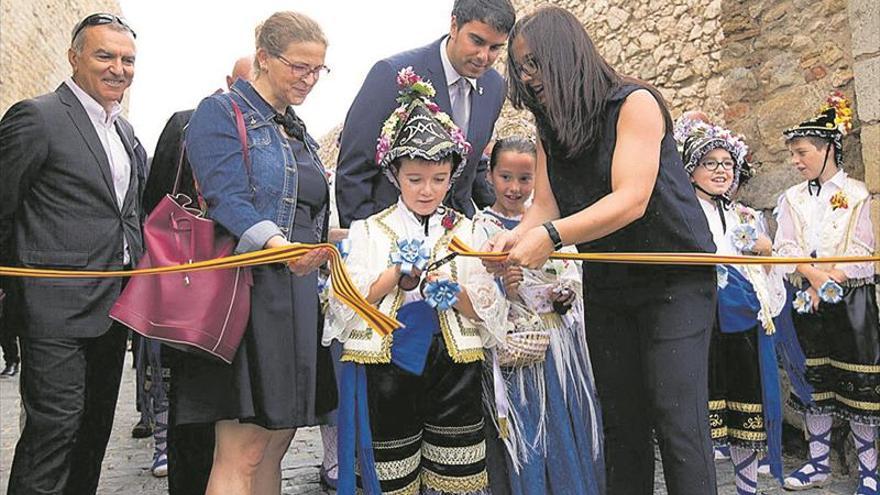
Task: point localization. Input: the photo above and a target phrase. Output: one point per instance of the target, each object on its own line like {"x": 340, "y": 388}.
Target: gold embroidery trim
{"x": 454, "y": 456}
{"x": 397, "y": 443}
{"x": 410, "y": 489}
{"x": 451, "y": 431}
{"x": 744, "y": 407}
{"x": 715, "y": 405}
{"x": 752, "y": 436}
{"x": 455, "y": 484}
{"x": 856, "y": 404}
{"x": 823, "y": 396}
{"x": 818, "y": 361}
{"x": 719, "y": 432}
{"x": 401, "y": 468}
{"x": 855, "y": 368}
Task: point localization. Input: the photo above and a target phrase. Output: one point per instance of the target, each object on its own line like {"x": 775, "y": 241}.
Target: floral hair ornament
{"x": 697, "y": 137}
{"x": 419, "y": 129}
{"x": 831, "y": 292}
{"x": 803, "y": 302}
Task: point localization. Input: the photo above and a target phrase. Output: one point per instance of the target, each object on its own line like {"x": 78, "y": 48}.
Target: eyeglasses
{"x": 529, "y": 67}
{"x": 99, "y": 20}
{"x": 712, "y": 165}
{"x": 303, "y": 70}
{"x": 410, "y": 282}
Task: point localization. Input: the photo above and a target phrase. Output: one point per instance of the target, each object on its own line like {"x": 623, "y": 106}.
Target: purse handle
{"x": 242, "y": 137}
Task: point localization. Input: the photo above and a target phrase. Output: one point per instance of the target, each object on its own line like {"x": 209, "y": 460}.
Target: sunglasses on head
{"x": 99, "y": 20}
{"x": 413, "y": 280}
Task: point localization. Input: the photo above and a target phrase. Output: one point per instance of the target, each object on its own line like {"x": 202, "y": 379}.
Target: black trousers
{"x": 649, "y": 343}
{"x": 190, "y": 446}
{"x": 69, "y": 388}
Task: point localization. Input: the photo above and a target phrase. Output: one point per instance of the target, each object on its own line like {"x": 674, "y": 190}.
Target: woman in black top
{"x": 609, "y": 178}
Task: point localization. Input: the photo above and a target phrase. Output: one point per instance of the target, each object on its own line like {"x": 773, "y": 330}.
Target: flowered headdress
{"x": 832, "y": 123}
{"x": 696, "y": 138}
{"x": 418, "y": 129}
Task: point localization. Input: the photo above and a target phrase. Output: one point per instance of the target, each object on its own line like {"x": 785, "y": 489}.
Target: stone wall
{"x": 34, "y": 38}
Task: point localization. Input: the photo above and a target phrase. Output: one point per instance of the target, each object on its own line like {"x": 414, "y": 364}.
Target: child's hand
{"x": 763, "y": 246}
{"x": 512, "y": 277}
{"x": 838, "y": 275}
{"x": 814, "y": 297}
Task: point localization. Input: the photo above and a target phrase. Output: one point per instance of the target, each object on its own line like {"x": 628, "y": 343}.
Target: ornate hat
{"x": 832, "y": 123}
{"x": 418, "y": 129}
{"x": 696, "y": 138}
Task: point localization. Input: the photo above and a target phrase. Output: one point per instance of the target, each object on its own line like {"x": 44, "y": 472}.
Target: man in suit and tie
{"x": 460, "y": 67}
{"x": 71, "y": 178}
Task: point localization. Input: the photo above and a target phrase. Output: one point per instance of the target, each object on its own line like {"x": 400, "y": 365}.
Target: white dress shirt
{"x": 117, "y": 156}
{"x": 452, "y": 77}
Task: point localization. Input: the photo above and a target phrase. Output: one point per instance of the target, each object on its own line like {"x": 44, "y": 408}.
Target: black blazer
{"x": 60, "y": 211}
{"x": 163, "y": 168}
{"x": 361, "y": 188}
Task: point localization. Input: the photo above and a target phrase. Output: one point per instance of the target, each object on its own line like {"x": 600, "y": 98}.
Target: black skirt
{"x": 281, "y": 376}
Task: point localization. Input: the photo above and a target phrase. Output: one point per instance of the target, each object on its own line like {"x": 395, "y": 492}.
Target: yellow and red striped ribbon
{"x": 458, "y": 246}
{"x": 343, "y": 288}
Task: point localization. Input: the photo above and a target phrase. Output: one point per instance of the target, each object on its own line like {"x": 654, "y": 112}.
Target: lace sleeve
{"x": 364, "y": 269}
{"x": 860, "y": 243}
{"x": 785, "y": 243}
{"x": 488, "y": 301}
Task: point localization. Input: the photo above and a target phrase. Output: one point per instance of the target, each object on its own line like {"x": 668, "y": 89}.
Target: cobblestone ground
{"x": 126, "y": 466}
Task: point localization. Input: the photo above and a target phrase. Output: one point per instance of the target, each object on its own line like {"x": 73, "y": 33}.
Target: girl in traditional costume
{"x": 542, "y": 380}
{"x": 411, "y": 400}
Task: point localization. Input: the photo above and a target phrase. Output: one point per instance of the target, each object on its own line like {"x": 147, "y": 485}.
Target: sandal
{"x": 820, "y": 475}
{"x": 867, "y": 477}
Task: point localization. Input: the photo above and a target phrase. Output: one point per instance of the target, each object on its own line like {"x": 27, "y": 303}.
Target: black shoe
{"x": 142, "y": 429}
{"x": 10, "y": 370}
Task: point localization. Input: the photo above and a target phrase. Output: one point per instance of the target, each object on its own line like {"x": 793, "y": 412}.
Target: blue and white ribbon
{"x": 803, "y": 302}
{"x": 411, "y": 253}
{"x": 722, "y": 276}
{"x": 344, "y": 247}
{"x": 442, "y": 294}
{"x": 744, "y": 237}
{"x": 831, "y": 292}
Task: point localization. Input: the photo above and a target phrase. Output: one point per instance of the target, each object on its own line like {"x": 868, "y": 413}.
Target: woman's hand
{"x": 532, "y": 250}
{"x": 499, "y": 243}
{"x": 512, "y": 277}
{"x": 309, "y": 262}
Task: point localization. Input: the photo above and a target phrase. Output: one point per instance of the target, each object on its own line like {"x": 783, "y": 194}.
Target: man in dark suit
{"x": 460, "y": 67}
{"x": 71, "y": 177}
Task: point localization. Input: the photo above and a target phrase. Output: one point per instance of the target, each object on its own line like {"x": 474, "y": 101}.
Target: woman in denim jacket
{"x": 281, "y": 378}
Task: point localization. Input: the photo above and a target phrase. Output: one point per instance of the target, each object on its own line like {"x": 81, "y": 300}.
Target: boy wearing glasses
{"x": 835, "y": 304}
{"x": 418, "y": 391}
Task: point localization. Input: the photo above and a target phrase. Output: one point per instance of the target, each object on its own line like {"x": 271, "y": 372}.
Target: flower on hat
{"x": 843, "y": 113}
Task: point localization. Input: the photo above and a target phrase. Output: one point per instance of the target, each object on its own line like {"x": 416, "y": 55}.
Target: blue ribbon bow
{"x": 442, "y": 294}
{"x": 831, "y": 292}
{"x": 411, "y": 253}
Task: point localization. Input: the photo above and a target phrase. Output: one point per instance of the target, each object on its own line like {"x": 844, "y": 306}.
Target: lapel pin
{"x": 480, "y": 90}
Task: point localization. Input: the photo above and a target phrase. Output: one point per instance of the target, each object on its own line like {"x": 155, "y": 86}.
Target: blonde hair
{"x": 283, "y": 28}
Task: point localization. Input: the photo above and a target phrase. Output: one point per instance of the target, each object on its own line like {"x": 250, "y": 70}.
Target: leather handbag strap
{"x": 242, "y": 137}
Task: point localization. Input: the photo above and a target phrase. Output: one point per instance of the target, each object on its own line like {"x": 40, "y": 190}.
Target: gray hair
{"x": 79, "y": 41}
{"x": 281, "y": 29}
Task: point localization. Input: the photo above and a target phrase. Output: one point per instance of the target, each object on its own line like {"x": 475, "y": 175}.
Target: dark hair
{"x": 499, "y": 14}
{"x": 577, "y": 80}
{"x": 516, "y": 144}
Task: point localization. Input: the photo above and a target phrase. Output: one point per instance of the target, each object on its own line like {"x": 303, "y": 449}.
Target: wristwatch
{"x": 554, "y": 235}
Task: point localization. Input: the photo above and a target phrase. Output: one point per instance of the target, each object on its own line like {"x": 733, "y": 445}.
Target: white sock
{"x": 867, "y": 459}
{"x": 817, "y": 425}
{"x": 328, "y": 438}
{"x": 750, "y": 471}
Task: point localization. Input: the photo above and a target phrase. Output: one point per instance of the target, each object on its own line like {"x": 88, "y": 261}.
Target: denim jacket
{"x": 257, "y": 206}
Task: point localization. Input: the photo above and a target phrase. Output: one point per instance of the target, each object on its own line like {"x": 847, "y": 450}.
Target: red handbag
{"x": 205, "y": 311}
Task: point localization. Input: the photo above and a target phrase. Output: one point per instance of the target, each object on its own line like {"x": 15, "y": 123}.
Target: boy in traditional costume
{"x": 411, "y": 400}
{"x": 835, "y": 305}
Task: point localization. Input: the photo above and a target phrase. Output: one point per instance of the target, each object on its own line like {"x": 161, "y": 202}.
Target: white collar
{"x": 93, "y": 108}
{"x": 838, "y": 180}
{"x": 452, "y": 75}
